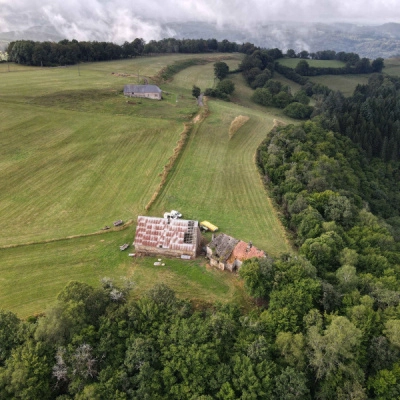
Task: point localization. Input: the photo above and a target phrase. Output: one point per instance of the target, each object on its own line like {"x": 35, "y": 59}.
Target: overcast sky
{"x": 120, "y": 20}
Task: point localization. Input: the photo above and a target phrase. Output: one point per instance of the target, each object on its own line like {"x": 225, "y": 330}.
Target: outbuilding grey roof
{"x": 223, "y": 245}
{"x": 142, "y": 89}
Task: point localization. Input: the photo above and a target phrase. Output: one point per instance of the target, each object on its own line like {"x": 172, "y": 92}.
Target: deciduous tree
{"x": 221, "y": 70}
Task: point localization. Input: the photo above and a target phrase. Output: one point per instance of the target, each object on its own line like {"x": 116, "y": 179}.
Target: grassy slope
{"x": 77, "y": 156}
{"x": 285, "y": 81}
{"x": 31, "y": 276}
{"x": 201, "y": 75}
{"x": 216, "y": 178}
{"x": 345, "y": 83}
{"x": 292, "y": 63}
{"x": 392, "y": 66}
{"x": 67, "y": 173}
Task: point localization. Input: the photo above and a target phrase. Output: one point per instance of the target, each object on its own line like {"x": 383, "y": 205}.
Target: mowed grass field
{"x": 216, "y": 178}
{"x": 345, "y": 83}
{"x": 202, "y": 75}
{"x": 32, "y": 276}
{"x": 76, "y": 155}
{"x": 67, "y": 173}
{"x": 392, "y": 66}
{"x": 292, "y": 63}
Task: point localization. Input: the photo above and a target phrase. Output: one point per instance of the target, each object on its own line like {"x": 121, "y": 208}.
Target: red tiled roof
{"x": 243, "y": 251}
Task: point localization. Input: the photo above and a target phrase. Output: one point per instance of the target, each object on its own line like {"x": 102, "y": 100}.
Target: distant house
{"x": 226, "y": 252}
{"x": 167, "y": 237}
{"x": 146, "y": 91}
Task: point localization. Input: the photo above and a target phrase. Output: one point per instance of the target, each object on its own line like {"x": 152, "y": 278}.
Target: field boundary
{"x": 271, "y": 201}
{"x": 167, "y": 73}
{"x": 167, "y": 168}
{"x": 188, "y": 128}
{"x": 101, "y": 232}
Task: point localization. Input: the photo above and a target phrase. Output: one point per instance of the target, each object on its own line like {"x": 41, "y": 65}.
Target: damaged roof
{"x": 163, "y": 233}
{"x": 243, "y": 251}
{"x": 223, "y": 245}
{"x": 228, "y": 248}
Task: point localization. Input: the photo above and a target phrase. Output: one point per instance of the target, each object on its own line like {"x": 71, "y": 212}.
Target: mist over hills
{"x": 370, "y": 41}
{"x": 367, "y": 40}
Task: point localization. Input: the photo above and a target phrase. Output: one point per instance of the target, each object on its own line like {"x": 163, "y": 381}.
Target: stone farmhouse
{"x": 226, "y": 252}
{"x": 145, "y": 91}
{"x": 167, "y": 237}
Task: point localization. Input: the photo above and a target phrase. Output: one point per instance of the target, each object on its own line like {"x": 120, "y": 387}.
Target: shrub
{"x": 298, "y": 111}
{"x": 262, "y": 96}
{"x": 226, "y": 86}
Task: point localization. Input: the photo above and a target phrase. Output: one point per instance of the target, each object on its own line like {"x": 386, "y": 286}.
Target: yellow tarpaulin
{"x": 209, "y": 225}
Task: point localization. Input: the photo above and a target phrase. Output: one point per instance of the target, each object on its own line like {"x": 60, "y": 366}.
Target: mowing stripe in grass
{"x": 167, "y": 168}
{"x": 217, "y": 179}
{"x": 64, "y": 173}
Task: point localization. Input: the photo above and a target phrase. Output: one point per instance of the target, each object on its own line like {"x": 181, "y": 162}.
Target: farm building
{"x": 167, "y": 237}
{"x": 226, "y": 252}
{"x": 146, "y": 91}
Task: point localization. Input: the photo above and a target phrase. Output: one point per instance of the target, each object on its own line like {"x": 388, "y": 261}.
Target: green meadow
{"x": 345, "y": 83}
{"x": 216, "y": 179}
{"x": 295, "y": 87}
{"x": 392, "y": 66}
{"x": 77, "y": 155}
{"x": 292, "y": 63}
{"x": 31, "y": 276}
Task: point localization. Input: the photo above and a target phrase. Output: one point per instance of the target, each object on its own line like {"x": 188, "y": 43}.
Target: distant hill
{"x": 370, "y": 41}
{"x": 37, "y": 33}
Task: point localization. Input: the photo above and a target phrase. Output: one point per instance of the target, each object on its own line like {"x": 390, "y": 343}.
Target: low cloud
{"x": 120, "y": 20}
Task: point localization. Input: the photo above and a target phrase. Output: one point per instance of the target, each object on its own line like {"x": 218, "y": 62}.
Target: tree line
{"x": 94, "y": 344}
{"x": 346, "y": 57}
{"x": 363, "y": 66}
{"x": 67, "y": 52}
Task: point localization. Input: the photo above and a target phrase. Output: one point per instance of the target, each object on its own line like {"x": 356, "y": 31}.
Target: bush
{"x": 262, "y": 96}
{"x": 216, "y": 93}
{"x": 298, "y": 111}
{"x": 226, "y": 86}
{"x": 282, "y": 99}
{"x": 261, "y": 79}
{"x": 273, "y": 86}
{"x": 301, "y": 97}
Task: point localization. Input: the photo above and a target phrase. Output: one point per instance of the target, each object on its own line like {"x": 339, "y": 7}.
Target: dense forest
{"x": 370, "y": 117}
